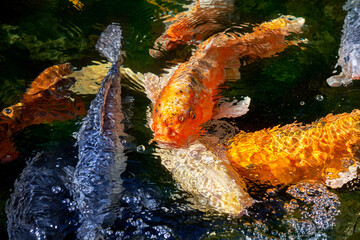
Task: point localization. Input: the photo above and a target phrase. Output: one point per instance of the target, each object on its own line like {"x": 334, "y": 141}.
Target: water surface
{"x": 286, "y": 88}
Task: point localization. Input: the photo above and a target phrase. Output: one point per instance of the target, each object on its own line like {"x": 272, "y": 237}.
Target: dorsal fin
{"x": 109, "y": 43}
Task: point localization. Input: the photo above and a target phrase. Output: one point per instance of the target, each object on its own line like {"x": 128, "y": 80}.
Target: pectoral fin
{"x": 231, "y": 109}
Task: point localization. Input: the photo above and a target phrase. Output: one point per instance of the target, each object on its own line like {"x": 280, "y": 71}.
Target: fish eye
{"x": 181, "y": 118}
{"x": 7, "y": 110}
{"x": 291, "y": 19}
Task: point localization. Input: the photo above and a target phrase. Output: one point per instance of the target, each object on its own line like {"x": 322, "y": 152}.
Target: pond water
{"x": 283, "y": 89}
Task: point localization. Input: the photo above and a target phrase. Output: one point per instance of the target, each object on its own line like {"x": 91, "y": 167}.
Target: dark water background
{"x": 37, "y": 34}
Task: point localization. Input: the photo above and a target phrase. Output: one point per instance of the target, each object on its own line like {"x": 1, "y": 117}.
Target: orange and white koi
{"x": 188, "y": 97}
{"x": 199, "y": 22}
{"x": 326, "y": 150}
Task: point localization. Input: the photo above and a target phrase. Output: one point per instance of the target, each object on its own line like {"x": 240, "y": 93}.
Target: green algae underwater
{"x": 286, "y": 88}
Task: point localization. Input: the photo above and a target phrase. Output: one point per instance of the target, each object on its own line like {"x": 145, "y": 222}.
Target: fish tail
{"x": 109, "y": 43}
{"x": 338, "y": 80}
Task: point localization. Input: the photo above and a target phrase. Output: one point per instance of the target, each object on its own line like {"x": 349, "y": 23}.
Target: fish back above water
{"x": 97, "y": 181}
{"x": 349, "y": 52}
{"x": 326, "y": 150}
{"x": 266, "y": 40}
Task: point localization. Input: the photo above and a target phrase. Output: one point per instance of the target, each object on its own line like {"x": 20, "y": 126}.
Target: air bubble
{"x": 302, "y": 103}
{"x": 71, "y": 208}
{"x": 56, "y": 189}
{"x": 140, "y": 148}
{"x": 319, "y": 98}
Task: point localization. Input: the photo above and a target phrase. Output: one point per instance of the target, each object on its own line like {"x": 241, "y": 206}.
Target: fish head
{"x": 9, "y": 124}
{"x": 173, "y": 39}
{"x": 289, "y": 23}
{"x": 12, "y": 113}
{"x": 10, "y": 120}
{"x": 176, "y": 120}
{"x": 163, "y": 44}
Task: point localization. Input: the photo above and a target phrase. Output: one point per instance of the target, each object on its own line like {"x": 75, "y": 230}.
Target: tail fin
{"x": 338, "y": 80}
{"x": 109, "y": 43}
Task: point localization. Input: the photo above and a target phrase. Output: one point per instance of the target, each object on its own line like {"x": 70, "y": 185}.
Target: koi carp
{"x": 196, "y": 24}
{"x": 325, "y": 150}
{"x": 97, "y": 184}
{"x": 46, "y": 100}
{"x": 349, "y": 53}
{"x": 188, "y": 96}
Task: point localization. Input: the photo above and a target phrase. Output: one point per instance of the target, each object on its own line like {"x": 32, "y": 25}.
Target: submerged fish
{"x": 326, "y": 150}
{"x": 208, "y": 177}
{"x": 40, "y": 205}
{"x": 199, "y": 22}
{"x": 97, "y": 183}
{"x": 188, "y": 97}
{"x": 47, "y": 99}
{"x": 349, "y": 52}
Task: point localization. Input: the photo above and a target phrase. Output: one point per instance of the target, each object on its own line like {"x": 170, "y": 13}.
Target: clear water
{"x": 289, "y": 87}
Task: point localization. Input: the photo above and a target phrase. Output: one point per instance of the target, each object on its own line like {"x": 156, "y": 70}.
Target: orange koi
{"x": 46, "y": 100}
{"x": 200, "y": 22}
{"x": 325, "y": 150}
{"x": 188, "y": 96}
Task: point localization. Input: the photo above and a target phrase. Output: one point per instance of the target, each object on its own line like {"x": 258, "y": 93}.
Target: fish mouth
{"x": 166, "y": 140}
{"x": 169, "y": 138}
{"x": 301, "y": 20}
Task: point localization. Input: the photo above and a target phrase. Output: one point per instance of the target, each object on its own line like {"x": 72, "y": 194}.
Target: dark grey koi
{"x": 97, "y": 184}
{"x": 349, "y": 52}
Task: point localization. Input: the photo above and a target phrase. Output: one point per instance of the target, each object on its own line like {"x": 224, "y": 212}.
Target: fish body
{"x": 47, "y": 99}
{"x": 349, "y": 51}
{"x": 325, "y": 150}
{"x": 199, "y": 22}
{"x": 40, "y": 205}
{"x": 208, "y": 177}
{"x": 187, "y": 98}
{"x": 97, "y": 184}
